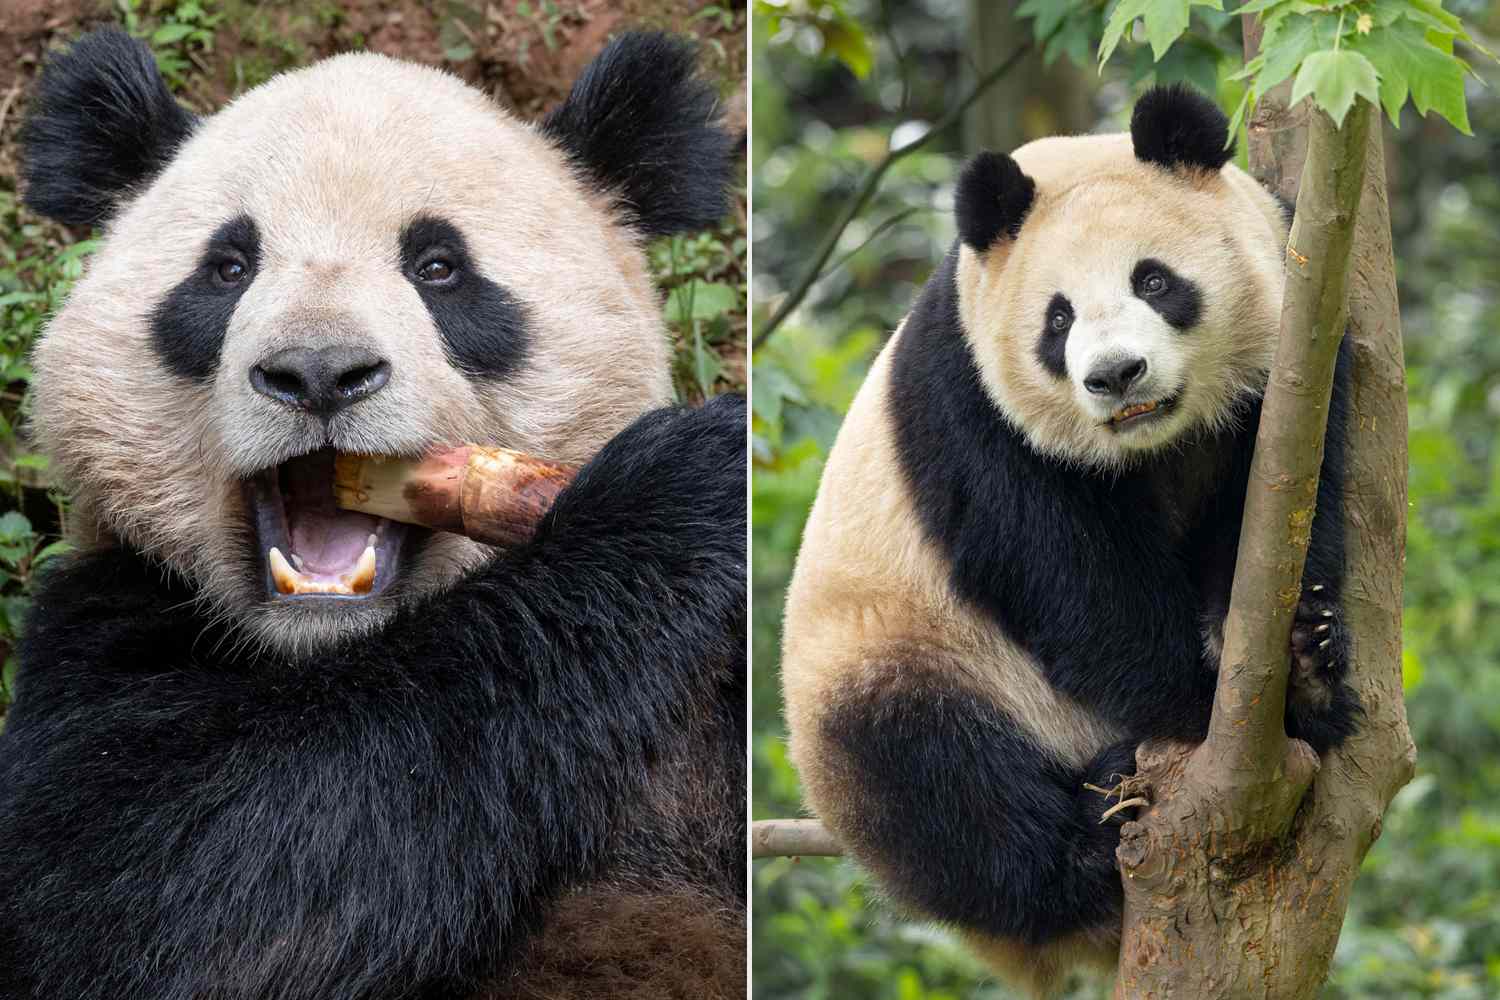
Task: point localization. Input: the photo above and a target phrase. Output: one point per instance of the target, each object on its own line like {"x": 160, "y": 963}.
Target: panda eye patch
{"x": 1051, "y": 349}
{"x": 1175, "y": 297}
{"x": 483, "y": 325}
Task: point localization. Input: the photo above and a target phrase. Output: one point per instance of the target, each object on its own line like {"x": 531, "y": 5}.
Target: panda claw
{"x": 1315, "y": 588}
{"x": 1124, "y": 804}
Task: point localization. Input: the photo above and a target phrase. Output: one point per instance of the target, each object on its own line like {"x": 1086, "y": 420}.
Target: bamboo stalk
{"x": 492, "y": 495}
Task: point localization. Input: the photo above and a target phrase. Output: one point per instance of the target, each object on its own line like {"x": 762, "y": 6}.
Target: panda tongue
{"x": 329, "y": 541}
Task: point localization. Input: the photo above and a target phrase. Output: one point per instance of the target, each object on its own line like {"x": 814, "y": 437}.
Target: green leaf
{"x": 75, "y": 250}
{"x": 1286, "y": 44}
{"x": 1048, "y": 14}
{"x": 1165, "y": 21}
{"x": 169, "y": 33}
{"x": 699, "y": 299}
{"x": 57, "y": 548}
{"x": 772, "y": 386}
{"x": 1238, "y": 118}
{"x": 1193, "y": 61}
{"x": 1074, "y": 39}
{"x": 1407, "y": 60}
{"x": 707, "y": 365}
{"x": 1335, "y": 79}
{"x": 847, "y": 42}
{"x": 15, "y": 527}
{"x": 31, "y": 460}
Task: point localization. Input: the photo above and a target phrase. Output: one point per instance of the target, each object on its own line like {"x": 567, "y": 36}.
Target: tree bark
{"x": 1236, "y": 882}
{"x": 792, "y": 838}
{"x": 1033, "y": 101}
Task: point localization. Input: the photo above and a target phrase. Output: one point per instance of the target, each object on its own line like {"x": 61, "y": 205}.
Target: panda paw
{"x": 1320, "y": 648}
{"x": 1109, "y": 797}
{"x": 674, "y": 478}
{"x": 1321, "y": 707}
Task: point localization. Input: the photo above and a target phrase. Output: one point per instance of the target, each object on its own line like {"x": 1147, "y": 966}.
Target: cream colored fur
{"x": 870, "y": 594}
{"x": 1096, "y": 213}
{"x": 331, "y": 162}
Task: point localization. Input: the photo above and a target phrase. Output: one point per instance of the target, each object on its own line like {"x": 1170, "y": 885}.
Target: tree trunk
{"x": 1236, "y": 882}
{"x": 1035, "y": 101}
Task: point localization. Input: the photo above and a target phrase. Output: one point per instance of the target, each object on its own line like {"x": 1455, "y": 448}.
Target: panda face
{"x": 1134, "y": 305}
{"x": 1126, "y": 326}
{"x": 365, "y": 256}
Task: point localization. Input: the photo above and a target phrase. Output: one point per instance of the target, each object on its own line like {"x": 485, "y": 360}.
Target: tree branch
{"x": 867, "y": 191}
{"x": 1247, "y": 724}
{"x": 790, "y": 838}
{"x": 1235, "y": 887}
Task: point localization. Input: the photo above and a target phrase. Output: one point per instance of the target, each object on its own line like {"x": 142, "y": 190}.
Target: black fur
{"x": 646, "y": 127}
{"x": 1052, "y": 346}
{"x": 483, "y": 326}
{"x": 992, "y": 199}
{"x": 1176, "y": 127}
{"x": 1288, "y": 208}
{"x": 1181, "y": 304}
{"x": 101, "y": 124}
{"x": 1076, "y": 566}
{"x": 188, "y": 326}
{"x": 185, "y": 818}
{"x": 957, "y": 798}
{"x": 1107, "y": 581}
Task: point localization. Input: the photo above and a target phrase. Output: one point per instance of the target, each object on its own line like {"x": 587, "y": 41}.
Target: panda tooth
{"x": 297, "y": 561}
{"x": 282, "y": 572}
{"x": 372, "y": 539}
{"x": 362, "y": 578}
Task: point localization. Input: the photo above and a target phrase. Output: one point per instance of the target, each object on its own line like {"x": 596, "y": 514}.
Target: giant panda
{"x": 494, "y": 773}
{"x": 1019, "y": 559}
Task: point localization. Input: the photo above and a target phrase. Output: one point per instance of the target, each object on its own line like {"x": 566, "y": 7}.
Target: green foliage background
{"x": 524, "y": 53}
{"x": 835, "y": 85}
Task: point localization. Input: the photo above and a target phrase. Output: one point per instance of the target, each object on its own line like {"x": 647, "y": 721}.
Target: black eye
{"x": 1153, "y": 284}
{"x": 231, "y": 272}
{"x": 1059, "y": 320}
{"x": 436, "y": 271}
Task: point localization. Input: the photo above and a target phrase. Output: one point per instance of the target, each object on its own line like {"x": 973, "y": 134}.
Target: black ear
{"x": 992, "y": 200}
{"x": 101, "y": 123}
{"x": 1178, "y": 127}
{"x": 645, "y": 126}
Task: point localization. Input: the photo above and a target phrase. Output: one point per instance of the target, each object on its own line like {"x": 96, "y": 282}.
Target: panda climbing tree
{"x": 1289, "y": 830}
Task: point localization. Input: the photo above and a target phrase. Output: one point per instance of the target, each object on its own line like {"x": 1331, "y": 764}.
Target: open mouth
{"x": 1139, "y": 414}
{"x": 308, "y": 546}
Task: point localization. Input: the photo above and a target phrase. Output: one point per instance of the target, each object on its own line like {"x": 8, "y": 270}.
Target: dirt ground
{"x": 524, "y": 58}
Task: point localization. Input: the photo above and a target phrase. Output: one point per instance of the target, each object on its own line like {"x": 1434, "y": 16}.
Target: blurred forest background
{"x": 525, "y": 53}
{"x": 837, "y": 85}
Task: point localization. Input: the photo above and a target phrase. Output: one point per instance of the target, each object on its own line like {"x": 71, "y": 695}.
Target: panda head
{"x": 362, "y": 256}
{"x": 1119, "y": 292}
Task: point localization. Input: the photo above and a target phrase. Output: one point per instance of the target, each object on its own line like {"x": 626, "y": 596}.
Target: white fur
{"x": 331, "y": 162}
{"x": 1096, "y": 213}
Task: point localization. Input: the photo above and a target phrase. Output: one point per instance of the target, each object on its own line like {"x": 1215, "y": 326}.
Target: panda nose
{"x": 1113, "y": 378}
{"x": 323, "y": 380}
